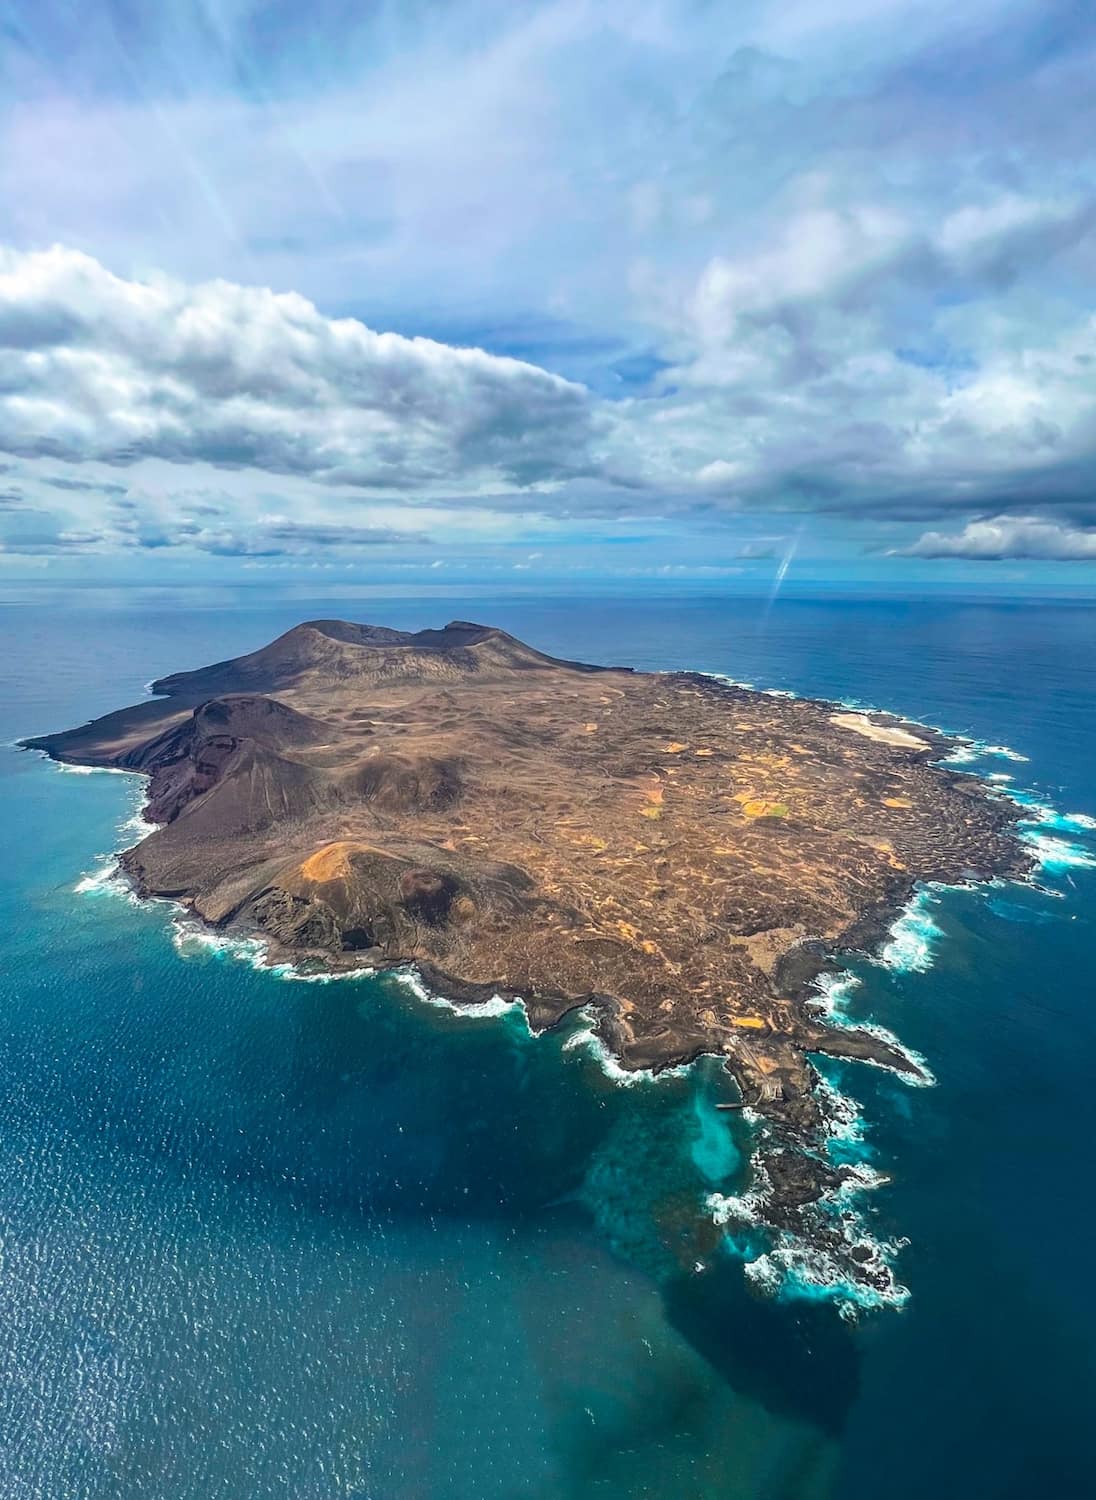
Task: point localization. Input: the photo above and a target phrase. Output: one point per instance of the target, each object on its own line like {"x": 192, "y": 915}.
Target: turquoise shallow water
{"x": 264, "y": 1238}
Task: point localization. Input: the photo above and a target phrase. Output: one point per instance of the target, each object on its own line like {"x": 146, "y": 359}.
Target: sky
{"x": 476, "y": 292}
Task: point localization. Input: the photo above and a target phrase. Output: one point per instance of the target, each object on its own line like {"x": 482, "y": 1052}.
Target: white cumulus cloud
{"x": 1009, "y": 537}
{"x": 101, "y": 368}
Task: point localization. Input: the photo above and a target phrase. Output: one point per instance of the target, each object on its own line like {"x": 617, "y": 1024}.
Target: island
{"x": 682, "y": 856}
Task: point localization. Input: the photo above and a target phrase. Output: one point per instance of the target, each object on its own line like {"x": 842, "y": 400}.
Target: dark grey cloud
{"x": 83, "y": 486}
{"x": 43, "y": 540}
{"x": 295, "y": 539}
{"x": 267, "y": 538}
{"x": 202, "y": 508}
{"x": 160, "y": 525}
{"x": 1066, "y": 491}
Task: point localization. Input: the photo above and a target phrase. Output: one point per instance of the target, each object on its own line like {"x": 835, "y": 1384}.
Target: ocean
{"x": 261, "y": 1237}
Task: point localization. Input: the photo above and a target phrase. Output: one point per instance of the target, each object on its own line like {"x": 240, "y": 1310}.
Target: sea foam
{"x": 587, "y": 1039}
{"x": 1058, "y": 856}
{"x": 69, "y": 770}
{"x": 814, "y": 1266}
{"x": 107, "y": 877}
{"x": 832, "y": 993}
{"x": 495, "y": 1006}
{"x": 909, "y": 947}
{"x": 1042, "y": 815}
{"x": 801, "y": 1270}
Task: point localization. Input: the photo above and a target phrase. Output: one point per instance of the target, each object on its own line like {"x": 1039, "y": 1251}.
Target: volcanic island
{"x": 681, "y": 856}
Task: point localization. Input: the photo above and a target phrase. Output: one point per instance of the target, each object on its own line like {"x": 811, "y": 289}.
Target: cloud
{"x": 270, "y": 537}
{"x": 833, "y": 261}
{"x": 503, "y": 159}
{"x": 856, "y": 364}
{"x": 151, "y": 521}
{"x": 196, "y": 507}
{"x": 38, "y": 540}
{"x": 848, "y": 257}
{"x": 292, "y": 539}
{"x": 83, "y": 486}
{"x": 1002, "y": 537}
{"x": 785, "y": 398}
{"x": 100, "y": 368}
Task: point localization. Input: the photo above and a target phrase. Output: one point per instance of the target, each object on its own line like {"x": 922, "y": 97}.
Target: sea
{"x": 262, "y": 1237}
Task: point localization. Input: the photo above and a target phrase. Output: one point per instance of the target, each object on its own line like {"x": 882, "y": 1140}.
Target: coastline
{"x": 797, "y": 974}
{"x": 872, "y": 936}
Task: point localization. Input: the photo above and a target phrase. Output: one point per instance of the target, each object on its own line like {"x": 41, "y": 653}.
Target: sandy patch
{"x": 884, "y": 734}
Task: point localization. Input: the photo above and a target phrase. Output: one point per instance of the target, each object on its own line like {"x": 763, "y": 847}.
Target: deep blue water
{"x": 266, "y": 1238}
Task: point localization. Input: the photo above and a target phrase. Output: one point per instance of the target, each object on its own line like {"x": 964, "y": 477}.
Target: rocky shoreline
{"x": 683, "y": 858}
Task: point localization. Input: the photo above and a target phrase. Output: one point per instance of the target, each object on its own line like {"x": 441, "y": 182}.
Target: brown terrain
{"x": 682, "y": 856}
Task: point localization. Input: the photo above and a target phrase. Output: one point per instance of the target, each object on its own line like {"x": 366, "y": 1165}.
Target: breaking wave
{"x": 587, "y": 1039}
{"x": 496, "y": 1005}
{"x": 69, "y": 770}
{"x": 970, "y": 750}
{"x": 831, "y": 997}
{"x": 107, "y": 876}
{"x": 802, "y": 1269}
{"x": 106, "y": 879}
{"x": 913, "y": 935}
{"x": 836, "y": 1259}
{"x": 1042, "y": 830}
{"x": 1058, "y": 856}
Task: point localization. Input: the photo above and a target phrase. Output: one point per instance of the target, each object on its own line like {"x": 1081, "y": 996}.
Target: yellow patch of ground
{"x": 584, "y": 840}
{"x": 330, "y": 862}
{"x": 590, "y": 728}
{"x": 651, "y": 812}
{"x": 897, "y": 802}
{"x": 705, "y": 752}
{"x": 755, "y": 1023}
{"x": 760, "y": 808}
{"x": 675, "y": 747}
